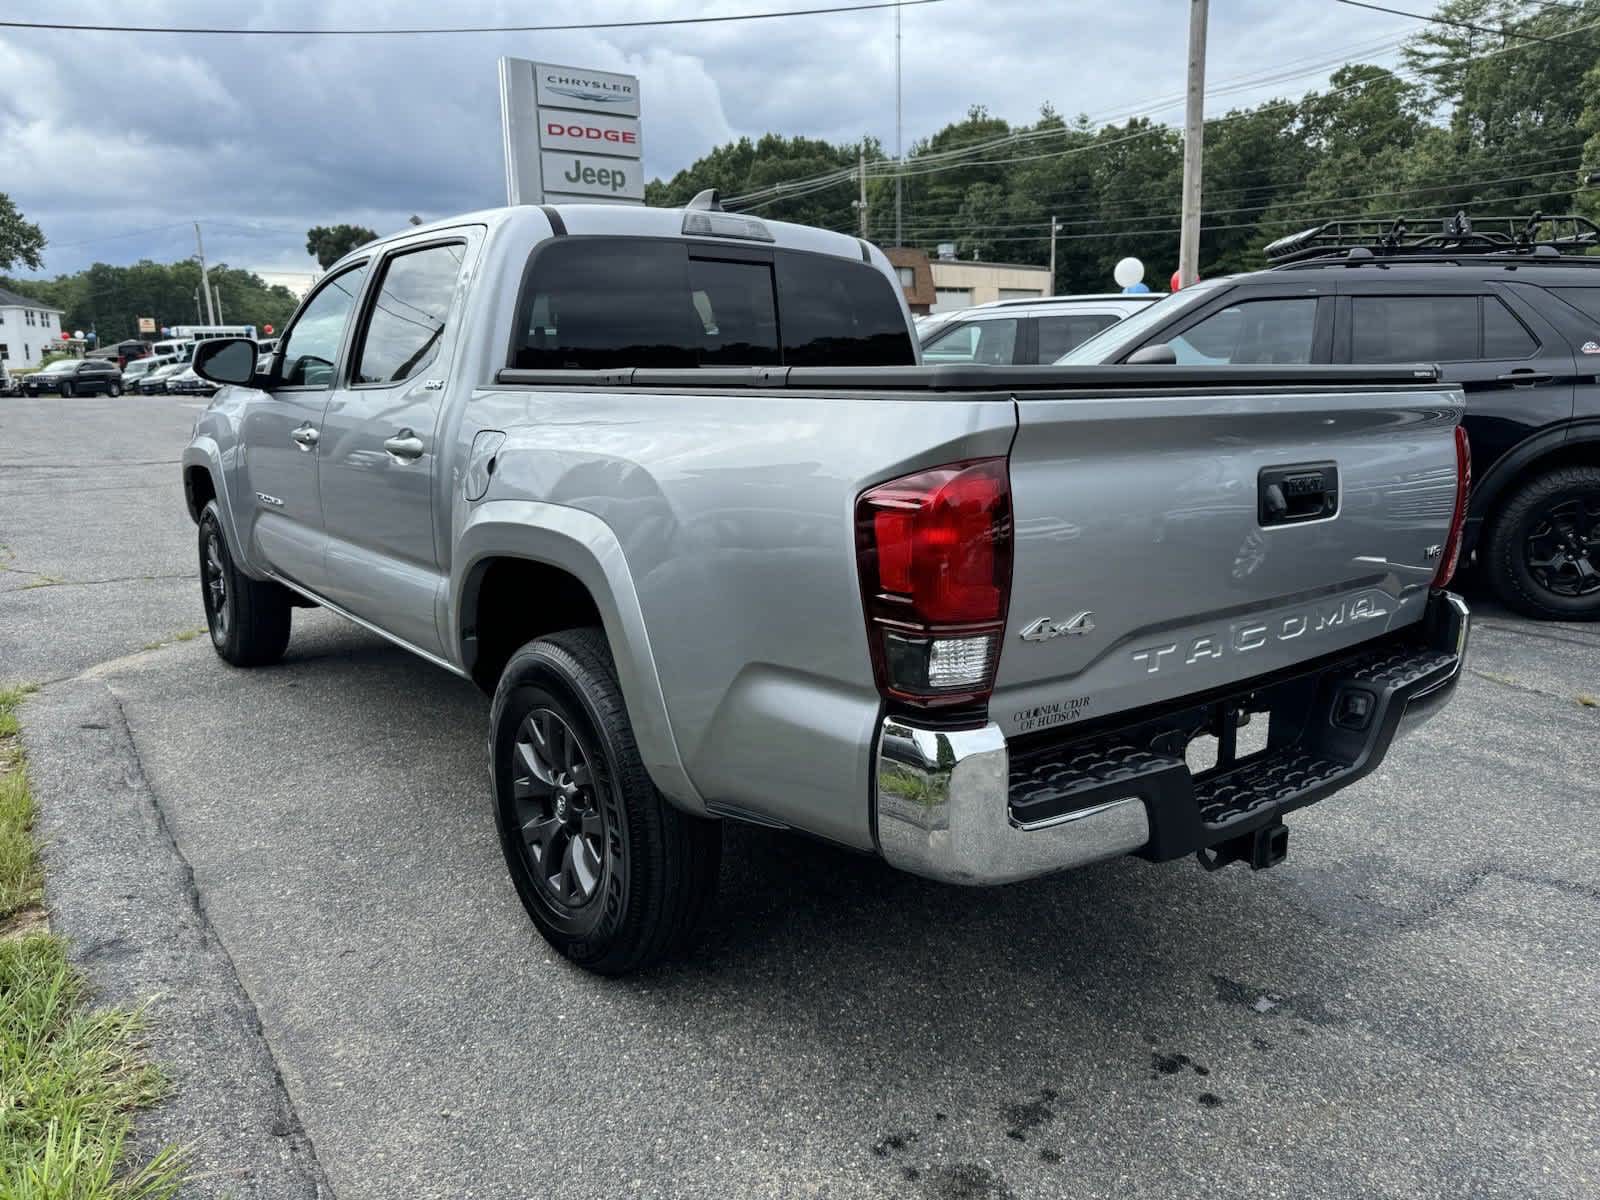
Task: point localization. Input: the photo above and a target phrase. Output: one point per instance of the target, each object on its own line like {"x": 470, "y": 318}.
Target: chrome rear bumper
{"x": 948, "y": 803}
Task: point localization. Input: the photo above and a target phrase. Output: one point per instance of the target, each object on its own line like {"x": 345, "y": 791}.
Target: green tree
{"x": 329, "y": 243}
{"x": 20, "y": 240}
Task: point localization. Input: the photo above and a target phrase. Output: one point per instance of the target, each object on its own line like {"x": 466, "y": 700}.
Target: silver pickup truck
{"x": 673, "y": 486}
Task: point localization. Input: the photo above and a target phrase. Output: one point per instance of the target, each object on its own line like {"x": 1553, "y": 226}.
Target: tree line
{"x": 1503, "y": 118}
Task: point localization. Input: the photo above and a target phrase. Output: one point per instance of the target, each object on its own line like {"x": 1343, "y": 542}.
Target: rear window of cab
{"x": 593, "y": 303}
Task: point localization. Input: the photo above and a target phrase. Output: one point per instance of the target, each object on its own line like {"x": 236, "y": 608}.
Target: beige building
{"x": 944, "y": 284}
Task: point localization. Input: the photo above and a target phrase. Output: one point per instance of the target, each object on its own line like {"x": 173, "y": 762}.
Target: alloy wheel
{"x": 216, "y": 581}
{"x": 557, "y": 792}
{"x": 1562, "y": 547}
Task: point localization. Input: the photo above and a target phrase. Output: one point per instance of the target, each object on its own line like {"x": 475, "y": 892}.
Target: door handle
{"x": 404, "y": 446}
{"x": 306, "y": 436}
{"x": 1523, "y": 377}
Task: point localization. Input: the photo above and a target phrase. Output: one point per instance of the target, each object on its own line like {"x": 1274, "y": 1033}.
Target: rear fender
{"x": 584, "y": 546}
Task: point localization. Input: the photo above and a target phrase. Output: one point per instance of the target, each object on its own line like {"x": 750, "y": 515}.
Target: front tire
{"x": 66, "y": 391}
{"x": 1543, "y": 555}
{"x": 248, "y": 618}
{"x": 613, "y": 876}
{"x": 114, "y": 390}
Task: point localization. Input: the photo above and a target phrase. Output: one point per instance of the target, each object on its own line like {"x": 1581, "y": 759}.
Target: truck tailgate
{"x": 1170, "y": 542}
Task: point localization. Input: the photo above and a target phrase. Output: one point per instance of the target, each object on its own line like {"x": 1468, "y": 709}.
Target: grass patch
{"x": 71, "y": 1077}
{"x": 20, "y": 879}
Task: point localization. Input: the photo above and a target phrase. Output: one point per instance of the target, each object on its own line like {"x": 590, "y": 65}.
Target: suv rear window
{"x": 600, "y": 303}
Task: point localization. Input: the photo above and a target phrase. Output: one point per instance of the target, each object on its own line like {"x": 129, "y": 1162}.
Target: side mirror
{"x": 226, "y": 360}
{"x": 1155, "y": 354}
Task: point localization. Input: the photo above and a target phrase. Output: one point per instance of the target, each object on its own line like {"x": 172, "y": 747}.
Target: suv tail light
{"x": 934, "y": 552}
{"x": 1458, "y": 519}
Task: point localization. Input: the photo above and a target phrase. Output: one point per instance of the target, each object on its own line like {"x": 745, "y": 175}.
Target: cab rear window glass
{"x": 608, "y": 303}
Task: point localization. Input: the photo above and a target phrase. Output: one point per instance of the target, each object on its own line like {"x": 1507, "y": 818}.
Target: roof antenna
{"x": 710, "y": 200}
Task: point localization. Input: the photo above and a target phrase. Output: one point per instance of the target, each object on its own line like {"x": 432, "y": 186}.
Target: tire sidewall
{"x": 543, "y": 676}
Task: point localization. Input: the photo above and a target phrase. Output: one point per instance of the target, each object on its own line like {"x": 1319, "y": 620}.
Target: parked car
{"x": 155, "y": 382}
{"x": 670, "y": 485}
{"x": 75, "y": 377}
{"x": 187, "y": 383}
{"x": 138, "y": 368}
{"x": 1024, "y": 332}
{"x": 1509, "y": 311}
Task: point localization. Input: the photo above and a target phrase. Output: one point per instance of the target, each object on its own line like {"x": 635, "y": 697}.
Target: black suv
{"x": 1508, "y": 307}
{"x": 76, "y": 377}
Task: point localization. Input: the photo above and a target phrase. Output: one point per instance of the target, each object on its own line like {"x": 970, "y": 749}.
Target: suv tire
{"x": 113, "y": 389}
{"x": 613, "y": 875}
{"x": 66, "y": 391}
{"x": 248, "y": 618}
{"x": 1544, "y": 543}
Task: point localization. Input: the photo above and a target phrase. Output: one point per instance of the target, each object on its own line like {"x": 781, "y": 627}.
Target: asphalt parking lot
{"x": 301, "y": 861}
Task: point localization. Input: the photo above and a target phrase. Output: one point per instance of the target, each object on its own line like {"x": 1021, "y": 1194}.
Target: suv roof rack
{"x": 1355, "y": 241}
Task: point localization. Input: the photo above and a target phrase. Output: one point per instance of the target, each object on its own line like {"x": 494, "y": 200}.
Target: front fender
{"x": 584, "y": 546}
{"x": 204, "y": 452}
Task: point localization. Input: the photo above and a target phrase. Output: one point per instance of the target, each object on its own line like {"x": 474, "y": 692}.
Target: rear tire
{"x": 248, "y": 618}
{"x": 1542, "y": 550}
{"x": 611, "y": 873}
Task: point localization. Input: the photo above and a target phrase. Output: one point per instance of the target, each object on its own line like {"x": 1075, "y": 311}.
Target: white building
{"x": 26, "y": 328}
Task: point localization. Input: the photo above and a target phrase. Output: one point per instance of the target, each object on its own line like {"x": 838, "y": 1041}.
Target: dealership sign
{"x": 570, "y": 134}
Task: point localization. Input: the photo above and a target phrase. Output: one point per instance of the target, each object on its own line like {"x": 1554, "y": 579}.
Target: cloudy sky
{"x": 114, "y": 142}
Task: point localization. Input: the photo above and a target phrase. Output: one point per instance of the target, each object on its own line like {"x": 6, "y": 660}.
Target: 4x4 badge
{"x": 1044, "y": 628}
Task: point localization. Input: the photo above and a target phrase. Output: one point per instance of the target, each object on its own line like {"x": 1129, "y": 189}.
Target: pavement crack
{"x": 1515, "y": 685}
{"x": 293, "y": 1128}
{"x": 41, "y": 582}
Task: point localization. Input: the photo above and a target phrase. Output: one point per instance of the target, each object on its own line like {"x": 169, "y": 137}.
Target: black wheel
{"x": 113, "y": 390}
{"x": 1544, "y": 546}
{"x": 612, "y": 874}
{"x": 66, "y": 391}
{"x": 248, "y": 618}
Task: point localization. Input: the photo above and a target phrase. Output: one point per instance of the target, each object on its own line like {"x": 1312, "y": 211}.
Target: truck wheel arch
{"x": 576, "y": 563}
{"x": 199, "y": 489}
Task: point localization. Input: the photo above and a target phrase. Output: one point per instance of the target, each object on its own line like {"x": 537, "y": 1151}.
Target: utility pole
{"x": 1193, "y": 146}
{"x": 899, "y": 154}
{"x": 861, "y": 177}
{"x": 199, "y": 316}
{"x": 205, "y": 277}
{"x": 216, "y": 290}
{"x": 1055, "y": 228}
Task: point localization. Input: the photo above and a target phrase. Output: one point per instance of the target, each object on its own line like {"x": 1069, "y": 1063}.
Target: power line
{"x": 886, "y": 167}
{"x": 1503, "y": 31}
{"x": 936, "y": 212}
{"x": 561, "y": 28}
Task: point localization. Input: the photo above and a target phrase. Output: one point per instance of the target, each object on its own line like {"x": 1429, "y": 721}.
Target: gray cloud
{"x": 106, "y": 134}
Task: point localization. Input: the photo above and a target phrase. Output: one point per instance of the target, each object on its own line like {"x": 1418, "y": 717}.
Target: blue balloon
{"x": 1137, "y": 287}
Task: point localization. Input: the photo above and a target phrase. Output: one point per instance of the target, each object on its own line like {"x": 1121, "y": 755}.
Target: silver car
{"x": 1023, "y": 332}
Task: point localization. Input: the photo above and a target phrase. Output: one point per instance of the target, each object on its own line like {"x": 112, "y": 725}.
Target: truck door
{"x": 281, "y": 512}
{"x": 379, "y": 446}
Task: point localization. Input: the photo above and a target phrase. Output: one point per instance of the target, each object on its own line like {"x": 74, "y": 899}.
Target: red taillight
{"x": 934, "y": 552}
{"x": 1458, "y": 519}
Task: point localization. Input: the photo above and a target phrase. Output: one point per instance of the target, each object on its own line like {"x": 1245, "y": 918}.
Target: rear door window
{"x": 1057, "y": 335}
{"x": 992, "y": 342}
{"x": 1401, "y": 329}
{"x": 408, "y": 315}
{"x": 1255, "y": 331}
